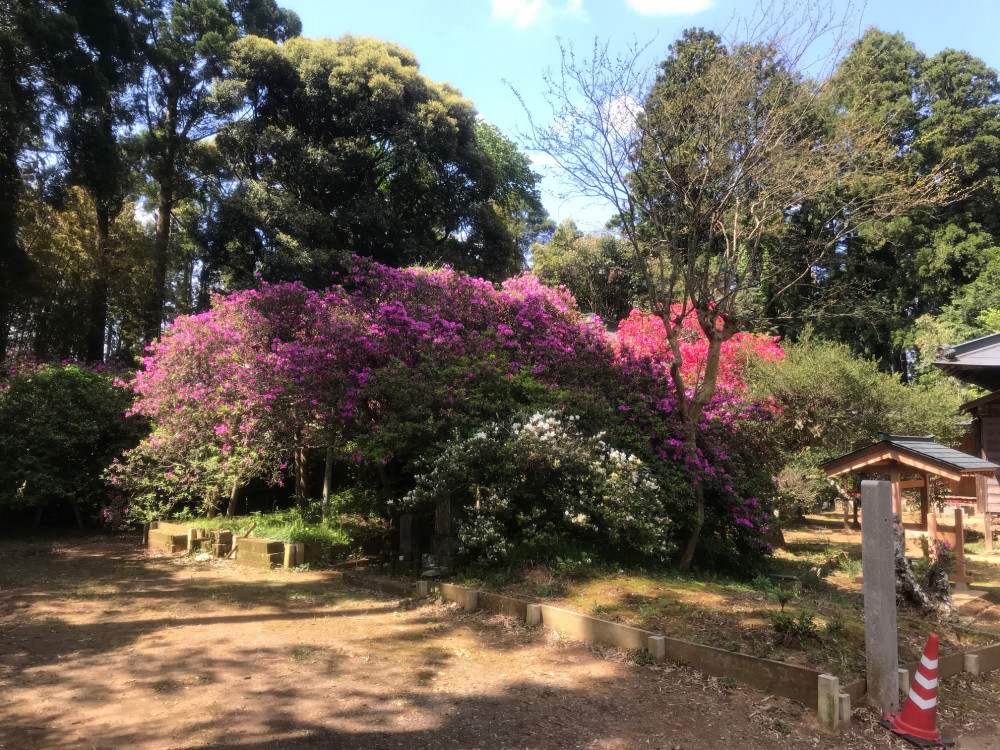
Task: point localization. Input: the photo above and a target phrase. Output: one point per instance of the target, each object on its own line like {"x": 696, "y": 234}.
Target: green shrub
{"x": 794, "y": 628}
{"x": 537, "y": 487}
{"x": 60, "y": 426}
{"x": 851, "y": 567}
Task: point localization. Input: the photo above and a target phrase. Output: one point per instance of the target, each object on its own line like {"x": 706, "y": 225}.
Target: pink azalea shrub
{"x": 644, "y": 334}
{"x": 388, "y": 365}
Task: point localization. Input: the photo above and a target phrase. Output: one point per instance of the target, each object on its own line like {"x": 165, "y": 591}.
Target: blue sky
{"x": 477, "y": 45}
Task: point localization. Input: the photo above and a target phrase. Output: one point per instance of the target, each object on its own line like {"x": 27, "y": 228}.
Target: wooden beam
{"x": 897, "y": 494}
{"x": 924, "y": 466}
{"x": 925, "y": 501}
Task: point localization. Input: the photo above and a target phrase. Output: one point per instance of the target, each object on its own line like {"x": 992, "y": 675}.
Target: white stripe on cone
{"x": 928, "y": 663}
{"x": 924, "y": 703}
{"x": 924, "y": 682}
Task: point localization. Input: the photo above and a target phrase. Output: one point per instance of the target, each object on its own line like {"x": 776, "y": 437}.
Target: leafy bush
{"x": 60, "y": 426}
{"x": 830, "y": 402}
{"x": 391, "y": 369}
{"x": 541, "y": 483}
{"x": 791, "y": 630}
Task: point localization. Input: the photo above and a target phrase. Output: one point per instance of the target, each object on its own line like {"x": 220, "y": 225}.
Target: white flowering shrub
{"x": 540, "y": 484}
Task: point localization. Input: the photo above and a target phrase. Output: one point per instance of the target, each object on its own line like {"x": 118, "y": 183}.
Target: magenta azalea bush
{"x": 389, "y": 367}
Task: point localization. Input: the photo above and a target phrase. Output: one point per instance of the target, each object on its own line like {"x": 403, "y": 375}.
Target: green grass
{"x": 290, "y": 526}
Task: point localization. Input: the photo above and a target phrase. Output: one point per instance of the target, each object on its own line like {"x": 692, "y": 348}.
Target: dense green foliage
{"x": 877, "y": 293}
{"x": 60, "y": 426}
{"x": 350, "y": 149}
{"x": 184, "y": 147}
{"x": 599, "y": 269}
{"x": 829, "y": 403}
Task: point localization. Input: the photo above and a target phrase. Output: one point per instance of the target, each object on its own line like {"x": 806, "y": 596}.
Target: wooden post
{"x": 925, "y": 500}
{"x": 879, "y": 590}
{"x": 897, "y": 493}
{"x": 961, "y": 579}
{"x": 932, "y": 534}
{"x": 847, "y": 503}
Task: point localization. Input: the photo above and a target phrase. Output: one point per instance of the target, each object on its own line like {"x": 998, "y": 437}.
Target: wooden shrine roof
{"x": 976, "y": 361}
{"x": 916, "y": 452}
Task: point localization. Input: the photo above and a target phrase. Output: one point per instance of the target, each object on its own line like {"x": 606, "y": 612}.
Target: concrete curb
{"x": 256, "y": 552}
{"x": 786, "y": 680}
{"x": 808, "y": 686}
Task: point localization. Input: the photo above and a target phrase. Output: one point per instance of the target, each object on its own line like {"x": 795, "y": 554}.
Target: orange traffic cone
{"x": 917, "y": 722}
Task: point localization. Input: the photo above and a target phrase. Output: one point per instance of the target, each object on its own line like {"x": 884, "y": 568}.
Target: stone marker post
{"x": 881, "y": 648}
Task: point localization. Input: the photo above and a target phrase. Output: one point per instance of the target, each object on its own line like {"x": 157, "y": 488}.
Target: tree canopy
{"x": 348, "y": 149}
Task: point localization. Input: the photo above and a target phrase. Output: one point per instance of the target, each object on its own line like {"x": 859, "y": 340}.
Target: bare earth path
{"x": 102, "y": 646}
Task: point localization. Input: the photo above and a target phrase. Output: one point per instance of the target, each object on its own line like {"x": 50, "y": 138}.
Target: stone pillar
{"x": 879, "y": 589}
{"x": 657, "y": 646}
{"x": 829, "y": 700}
{"x": 422, "y": 590}
{"x": 471, "y": 600}
{"x": 534, "y": 616}
{"x": 289, "y": 555}
{"x": 904, "y": 683}
{"x": 970, "y": 664}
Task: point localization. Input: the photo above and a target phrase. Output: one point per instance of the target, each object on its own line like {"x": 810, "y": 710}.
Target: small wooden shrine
{"x": 909, "y": 461}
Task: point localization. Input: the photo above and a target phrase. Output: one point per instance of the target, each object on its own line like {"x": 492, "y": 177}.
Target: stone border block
{"x": 844, "y": 708}
{"x": 828, "y": 702}
{"x": 971, "y": 664}
{"x": 533, "y": 616}
{"x": 657, "y": 646}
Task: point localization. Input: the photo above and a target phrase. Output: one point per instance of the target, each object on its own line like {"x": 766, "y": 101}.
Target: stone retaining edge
{"x": 786, "y": 680}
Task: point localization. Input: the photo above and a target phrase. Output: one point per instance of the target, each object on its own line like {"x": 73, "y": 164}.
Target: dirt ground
{"x": 102, "y": 646}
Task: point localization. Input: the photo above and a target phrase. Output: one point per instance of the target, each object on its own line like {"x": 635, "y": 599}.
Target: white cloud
{"x": 669, "y": 7}
{"x": 524, "y": 13}
{"x": 622, "y": 115}
{"x": 544, "y": 161}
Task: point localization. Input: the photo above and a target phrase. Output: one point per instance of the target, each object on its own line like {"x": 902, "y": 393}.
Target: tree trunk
{"x": 687, "y": 555}
{"x": 907, "y": 586}
{"x": 37, "y": 520}
{"x": 301, "y": 491}
{"x": 98, "y": 317}
{"x": 165, "y": 176}
{"x": 234, "y": 497}
{"x": 213, "y": 503}
{"x": 4, "y": 315}
{"x": 161, "y": 244}
{"x": 327, "y": 479}
{"x": 77, "y": 516}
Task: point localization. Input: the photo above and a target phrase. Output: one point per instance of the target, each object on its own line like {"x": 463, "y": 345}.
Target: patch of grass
{"x": 643, "y": 658}
{"x": 849, "y": 566}
{"x": 835, "y": 625}
{"x": 782, "y": 727}
{"x": 727, "y": 683}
